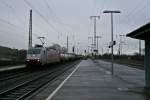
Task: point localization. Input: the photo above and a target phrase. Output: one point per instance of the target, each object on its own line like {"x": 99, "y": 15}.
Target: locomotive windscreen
{"x": 34, "y": 51}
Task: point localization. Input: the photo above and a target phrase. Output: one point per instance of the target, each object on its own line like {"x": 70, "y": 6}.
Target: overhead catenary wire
{"x": 56, "y": 18}
{"x": 18, "y": 18}
{"x": 43, "y": 17}
{"x": 134, "y": 14}
{"x": 11, "y": 24}
{"x": 142, "y": 10}
{"x": 4, "y": 31}
{"x": 13, "y": 10}
{"x": 137, "y": 9}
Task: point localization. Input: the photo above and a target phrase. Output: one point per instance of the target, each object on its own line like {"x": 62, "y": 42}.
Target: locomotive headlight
{"x": 38, "y": 60}
{"x": 28, "y": 60}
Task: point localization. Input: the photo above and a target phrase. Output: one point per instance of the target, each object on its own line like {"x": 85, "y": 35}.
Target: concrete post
{"x": 147, "y": 64}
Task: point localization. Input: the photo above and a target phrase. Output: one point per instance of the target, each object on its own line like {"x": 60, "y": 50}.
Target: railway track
{"x": 25, "y": 89}
{"x": 12, "y": 74}
{"x": 7, "y": 74}
{"x": 16, "y": 75}
{"x": 130, "y": 64}
{"x": 7, "y": 84}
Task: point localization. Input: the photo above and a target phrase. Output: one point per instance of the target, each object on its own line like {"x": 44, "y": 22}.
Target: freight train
{"x": 40, "y": 56}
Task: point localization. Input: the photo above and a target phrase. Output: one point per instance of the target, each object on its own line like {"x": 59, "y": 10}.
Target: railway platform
{"x": 7, "y": 68}
{"x": 92, "y": 80}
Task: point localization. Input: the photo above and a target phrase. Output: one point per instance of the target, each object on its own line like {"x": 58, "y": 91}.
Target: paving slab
{"x": 128, "y": 74}
{"x": 93, "y": 81}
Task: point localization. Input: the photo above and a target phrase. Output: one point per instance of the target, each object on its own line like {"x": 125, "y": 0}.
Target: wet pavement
{"x": 92, "y": 80}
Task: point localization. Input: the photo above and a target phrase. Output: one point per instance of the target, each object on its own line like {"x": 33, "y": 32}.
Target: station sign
{"x": 112, "y": 43}
{"x": 95, "y": 50}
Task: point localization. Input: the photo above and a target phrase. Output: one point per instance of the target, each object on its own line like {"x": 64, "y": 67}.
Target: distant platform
{"x": 7, "y": 68}
{"x": 92, "y": 80}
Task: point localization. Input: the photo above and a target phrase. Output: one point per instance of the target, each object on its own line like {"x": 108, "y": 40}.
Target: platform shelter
{"x": 143, "y": 33}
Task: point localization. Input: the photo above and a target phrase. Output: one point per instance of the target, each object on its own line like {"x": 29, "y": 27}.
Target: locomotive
{"x": 40, "y": 56}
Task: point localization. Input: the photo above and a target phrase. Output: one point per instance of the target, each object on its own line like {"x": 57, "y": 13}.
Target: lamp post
{"x": 112, "y": 41}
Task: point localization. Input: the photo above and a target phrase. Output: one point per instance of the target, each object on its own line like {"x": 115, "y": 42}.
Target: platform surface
{"x": 93, "y": 81}
{"x": 7, "y": 68}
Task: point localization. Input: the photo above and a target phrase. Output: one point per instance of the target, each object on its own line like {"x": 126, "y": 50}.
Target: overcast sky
{"x": 55, "y": 19}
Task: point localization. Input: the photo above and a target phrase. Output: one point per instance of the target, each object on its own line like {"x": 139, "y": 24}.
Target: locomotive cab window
{"x": 34, "y": 51}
